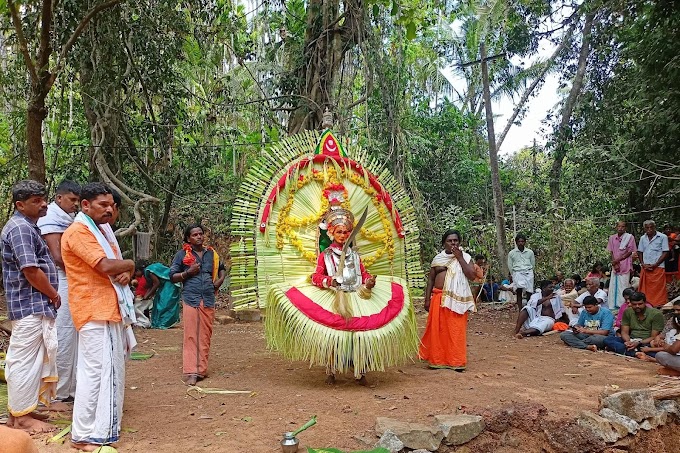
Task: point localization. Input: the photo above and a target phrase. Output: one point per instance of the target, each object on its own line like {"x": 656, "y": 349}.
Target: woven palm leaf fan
{"x": 283, "y": 199}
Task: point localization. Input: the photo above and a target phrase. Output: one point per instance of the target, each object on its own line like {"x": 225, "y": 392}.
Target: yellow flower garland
{"x": 286, "y": 224}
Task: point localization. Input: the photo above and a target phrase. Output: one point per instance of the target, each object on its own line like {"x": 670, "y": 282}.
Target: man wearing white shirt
{"x": 652, "y": 252}
{"x": 592, "y": 289}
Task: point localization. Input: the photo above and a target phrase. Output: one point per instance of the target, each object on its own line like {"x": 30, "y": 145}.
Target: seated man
{"x": 540, "y": 312}
{"x": 506, "y": 291}
{"x": 639, "y": 326}
{"x": 490, "y": 290}
{"x": 666, "y": 338}
{"x": 568, "y": 293}
{"x": 592, "y": 289}
{"x": 594, "y": 325}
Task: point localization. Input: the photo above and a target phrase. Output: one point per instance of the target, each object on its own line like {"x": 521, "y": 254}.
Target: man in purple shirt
{"x": 621, "y": 247}
{"x": 30, "y": 279}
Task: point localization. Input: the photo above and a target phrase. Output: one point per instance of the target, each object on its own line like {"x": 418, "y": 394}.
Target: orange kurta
{"x": 653, "y": 285}
{"x": 90, "y": 292}
{"x": 444, "y": 343}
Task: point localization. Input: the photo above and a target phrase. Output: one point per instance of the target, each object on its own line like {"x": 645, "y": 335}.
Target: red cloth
{"x": 444, "y": 342}
{"x": 653, "y": 285}
{"x": 142, "y": 286}
{"x": 317, "y": 313}
{"x": 321, "y": 273}
{"x": 198, "y": 326}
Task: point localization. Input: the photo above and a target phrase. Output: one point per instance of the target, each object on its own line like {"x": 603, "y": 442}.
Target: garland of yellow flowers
{"x": 286, "y": 225}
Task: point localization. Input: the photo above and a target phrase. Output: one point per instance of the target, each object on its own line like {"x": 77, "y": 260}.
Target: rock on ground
{"x": 459, "y": 429}
{"x": 635, "y": 404}
{"x": 571, "y": 438}
{"x": 598, "y": 425}
{"x": 390, "y": 441}
{"x": 413, "y": 435}
{"x": 620, "y": 423}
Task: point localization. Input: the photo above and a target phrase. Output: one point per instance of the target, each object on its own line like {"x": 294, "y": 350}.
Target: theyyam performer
{"x": 331, "y": 249}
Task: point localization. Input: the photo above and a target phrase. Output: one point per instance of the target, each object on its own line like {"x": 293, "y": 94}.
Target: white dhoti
{"x": 30, "y": 366}
{"x": 536, "y": 321}
{"x": 142, "y": 305}
{"x": 68, "y": 344}
{"x": 617, "y": 283}
{"x": 98, "y": 406}
{"x": 524, "y": 280}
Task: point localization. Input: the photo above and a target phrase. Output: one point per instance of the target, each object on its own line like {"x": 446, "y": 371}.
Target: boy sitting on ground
{"x": 594, "y": 325}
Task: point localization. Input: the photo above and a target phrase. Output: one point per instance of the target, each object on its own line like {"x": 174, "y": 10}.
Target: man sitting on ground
{"x": 592, "y": 289}
{"x": 594, "y": 325}
{"x": 665, "y": 339}
{"x": 639, "y": 326}
{"x": 540, "y": 312}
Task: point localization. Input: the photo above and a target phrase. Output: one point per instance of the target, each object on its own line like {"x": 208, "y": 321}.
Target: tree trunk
{"x": 36, "y": 154}
{"x": 328, "y": 38}
{"x": 564, "y": 131}
{"x": 493, "y": 161}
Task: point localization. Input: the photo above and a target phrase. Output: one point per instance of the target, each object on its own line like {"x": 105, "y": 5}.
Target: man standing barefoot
{"x": 30, "y": 280}
{"x": 102, "y": 310}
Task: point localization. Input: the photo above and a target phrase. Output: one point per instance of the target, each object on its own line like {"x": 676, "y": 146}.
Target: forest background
{"x": 173, "y": 101}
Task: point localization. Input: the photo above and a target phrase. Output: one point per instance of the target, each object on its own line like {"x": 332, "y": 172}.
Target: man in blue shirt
{"x": 199, "y": 270}
{"x": 31, "y": 282}
{"x": 594, "y": 325}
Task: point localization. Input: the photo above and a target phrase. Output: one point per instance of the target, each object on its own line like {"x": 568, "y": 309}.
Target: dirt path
{"x": 161, "y": 417}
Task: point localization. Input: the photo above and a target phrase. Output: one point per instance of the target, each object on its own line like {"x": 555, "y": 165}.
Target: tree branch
{"x": 76, "y": 34}
{"x": 527, "y": 93}
{"x": 23, "y": 46}
{"x": 44, "y": 49}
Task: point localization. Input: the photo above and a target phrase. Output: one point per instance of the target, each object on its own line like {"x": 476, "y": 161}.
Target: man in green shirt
{"x": 639, "y": 326}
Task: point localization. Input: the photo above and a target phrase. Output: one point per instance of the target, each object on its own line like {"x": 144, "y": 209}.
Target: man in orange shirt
{"x": 100, "y": 310}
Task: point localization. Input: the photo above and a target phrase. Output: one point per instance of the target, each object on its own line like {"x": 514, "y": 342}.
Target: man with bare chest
{"x": 539, "y": 315}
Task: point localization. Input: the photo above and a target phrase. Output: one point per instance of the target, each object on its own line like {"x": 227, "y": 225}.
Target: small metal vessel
{"x": 290, "y": 443}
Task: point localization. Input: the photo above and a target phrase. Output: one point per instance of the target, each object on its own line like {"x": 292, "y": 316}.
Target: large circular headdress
{"x": 284, "y": 204}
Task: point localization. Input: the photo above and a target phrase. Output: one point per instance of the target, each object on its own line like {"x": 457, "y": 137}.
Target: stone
{"x": 16, "y": 441}
{"x": 571, "y": 438}
{"x": 459, "y": 429}
{"x": 222, "y": 319}
{"x": 659, "y": 419}
{"x": 635, "y": 404}
{"x": 391, "y": 442}
{"x": 599, "y": 425}
{"x": 420, "y": 450}
{"x": 413, "y": 435}
{"x": 668, "y": 406}
{"x": 620, "y": 423}
{"x": 249, "y": 315}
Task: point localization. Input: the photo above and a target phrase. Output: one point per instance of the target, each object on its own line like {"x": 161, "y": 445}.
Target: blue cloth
{"x": 489, "y": 292}
{"x": 165, "y": 311}
{"x": 199, "y": 287}
{"x": 616, "y": 344}
{"x": 22, "y": 247}
{"x": 602, "y": 320}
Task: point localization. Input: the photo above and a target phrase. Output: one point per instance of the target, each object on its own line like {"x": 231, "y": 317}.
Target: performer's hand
{"x": 334, "y": 283}
{"x": 370, "y": 283}
{"x": 457, "y": 252}
{"x": 123, "y": 278}
{"x": 194, "y": 269}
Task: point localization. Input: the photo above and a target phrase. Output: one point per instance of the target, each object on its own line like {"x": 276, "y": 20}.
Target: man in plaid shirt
{"x": 30, "y": 279}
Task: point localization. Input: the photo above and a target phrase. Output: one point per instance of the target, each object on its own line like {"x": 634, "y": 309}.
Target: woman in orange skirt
{"x": 448, "y": 299}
